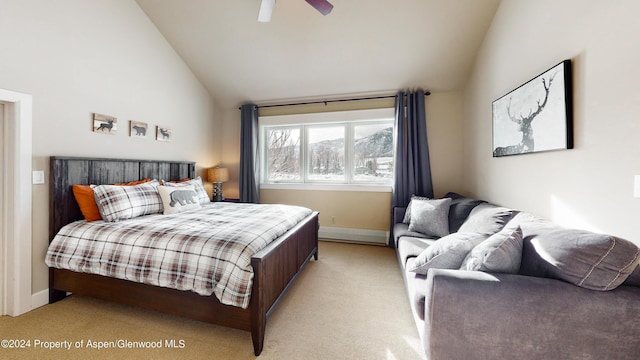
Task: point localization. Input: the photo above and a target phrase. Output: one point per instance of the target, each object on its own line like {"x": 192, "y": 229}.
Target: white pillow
{"x": 177, "y": 199}
{"x": 203, "y": 197}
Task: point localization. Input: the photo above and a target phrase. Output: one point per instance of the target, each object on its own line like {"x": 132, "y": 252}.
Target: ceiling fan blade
{"x": 266, "y": 9}
{"x": 321, "y": 5}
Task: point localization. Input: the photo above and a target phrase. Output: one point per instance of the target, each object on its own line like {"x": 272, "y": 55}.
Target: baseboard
{"x": 360, "y": 236}
{"x": 41, "y": 298}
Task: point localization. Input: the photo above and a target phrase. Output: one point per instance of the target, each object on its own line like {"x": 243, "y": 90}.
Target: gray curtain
{"x": 249, "y": 160}
{"x": 412, "y": 169}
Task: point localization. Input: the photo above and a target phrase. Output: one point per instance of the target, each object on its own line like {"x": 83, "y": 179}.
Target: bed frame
{"x": 276, "y": 267}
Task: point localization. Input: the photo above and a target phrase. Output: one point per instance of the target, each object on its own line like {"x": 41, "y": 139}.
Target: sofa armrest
{"x": 501, "y": 316}
{"x": 398, "y": 214}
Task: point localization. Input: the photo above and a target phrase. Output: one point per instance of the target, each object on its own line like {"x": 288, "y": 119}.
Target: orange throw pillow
{"x": 180, "y": 181}
{"x": 132, "y": 183}
{"x": 86, "y": 202}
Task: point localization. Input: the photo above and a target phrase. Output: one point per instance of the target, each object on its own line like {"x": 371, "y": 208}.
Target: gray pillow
{"x": 407, "y": 213}
{"x": 430, "y": 217}
{"x": 586, "y": 259}
{"x": 447, "y": 252}
{"x": 459, "y": 210}
{"x": 487, "y": 219}
{"x": 500, "y": 253}
{"x": 634, "y": 278}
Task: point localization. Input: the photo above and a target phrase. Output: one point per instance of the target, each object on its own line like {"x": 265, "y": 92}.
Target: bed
{"x": 275, "y": 267}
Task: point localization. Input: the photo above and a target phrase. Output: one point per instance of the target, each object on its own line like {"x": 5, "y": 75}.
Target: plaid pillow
{"x": 127, "y": 202}
{"x": 203, "y": 197}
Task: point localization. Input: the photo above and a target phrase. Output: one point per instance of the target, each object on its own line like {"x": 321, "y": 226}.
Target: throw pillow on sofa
{"x": 459, "y": 210}
{"x": 501, "y": 253}
{"x": 447, "y": 252}
{"x": 586, "y": 259}
{"x": 634, "y": 278}
{"x": 407, "y": 213}
{"x": 487, "y": 219}
{"x": 430, "y": 217}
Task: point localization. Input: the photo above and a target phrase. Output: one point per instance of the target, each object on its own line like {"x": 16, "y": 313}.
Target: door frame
{"x": 2, "y": 210}
{"x": 17, "y": 212}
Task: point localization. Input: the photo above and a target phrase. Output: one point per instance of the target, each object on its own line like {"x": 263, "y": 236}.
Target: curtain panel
{"x": 412, "y": 168}
{"x": 249, "y": 160}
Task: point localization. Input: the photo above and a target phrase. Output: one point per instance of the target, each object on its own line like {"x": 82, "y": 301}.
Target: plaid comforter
{"x": 206, "y": 250}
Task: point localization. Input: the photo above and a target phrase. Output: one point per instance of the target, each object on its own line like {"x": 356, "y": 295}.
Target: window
{"x": 326, "y": 153}
{"x": 338, "y": 148}
{"x": 373, "y": 152}
{"x": 283, "y": 154}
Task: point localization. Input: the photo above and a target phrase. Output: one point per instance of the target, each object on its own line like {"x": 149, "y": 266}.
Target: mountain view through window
{"x": 358, "y": 152}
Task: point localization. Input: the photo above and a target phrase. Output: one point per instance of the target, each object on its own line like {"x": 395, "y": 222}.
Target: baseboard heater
{"x": 359, "y": 236}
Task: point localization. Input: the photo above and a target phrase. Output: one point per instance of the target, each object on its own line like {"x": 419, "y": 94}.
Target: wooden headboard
{"x": 66, "y": 171}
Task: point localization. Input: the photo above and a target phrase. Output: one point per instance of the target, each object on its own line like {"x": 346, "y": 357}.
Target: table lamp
{"x": 217, "y": 176}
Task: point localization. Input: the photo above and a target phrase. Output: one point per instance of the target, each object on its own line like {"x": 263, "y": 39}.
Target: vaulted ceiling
{"x": 363, "y": 47}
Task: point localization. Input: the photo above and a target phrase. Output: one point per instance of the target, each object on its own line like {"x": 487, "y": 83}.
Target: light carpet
{"x": 350, "y": 304}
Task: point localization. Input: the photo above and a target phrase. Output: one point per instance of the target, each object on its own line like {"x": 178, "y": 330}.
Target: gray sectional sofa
{"x": 496, "y": 283}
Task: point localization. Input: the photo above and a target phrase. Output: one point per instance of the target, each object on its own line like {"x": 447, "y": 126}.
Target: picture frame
{"x": 105, "y": 124}
{"x": 138, "y": 129}
{"x": 163, "y": 133}
{"x": 536, "y": 116}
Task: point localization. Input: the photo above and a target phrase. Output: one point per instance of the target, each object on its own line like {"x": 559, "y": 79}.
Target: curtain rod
{"x": 426, "y": 93}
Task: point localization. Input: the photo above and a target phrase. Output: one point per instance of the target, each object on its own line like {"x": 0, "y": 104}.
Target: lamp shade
{"x": 218, "y": 175}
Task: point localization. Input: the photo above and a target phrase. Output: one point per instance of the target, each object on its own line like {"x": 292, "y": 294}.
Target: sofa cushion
{"x": 430, "y": 217}
{"x": 410, "y": 247}
{"x": 447, "y": 253}
{"x": 586, "y": 259}
{"x": 402, "y": 229}
{"x": 501, "y": 253}
{"x": 487, "y": 219}
{"x": 634, "y": 278}
{"x": 527, "y": 220}
{"x": 459, "y": 210}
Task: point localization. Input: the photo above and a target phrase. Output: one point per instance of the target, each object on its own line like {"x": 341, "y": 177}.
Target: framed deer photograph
{"x": 536, "y": 116}
{"x": 163, "y": 134}
{"x": 105, "y": 124}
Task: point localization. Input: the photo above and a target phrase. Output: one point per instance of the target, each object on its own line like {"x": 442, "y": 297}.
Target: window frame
{"x": 348, "y": 119}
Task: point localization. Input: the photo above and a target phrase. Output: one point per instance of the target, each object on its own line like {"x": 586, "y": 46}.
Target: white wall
{"x": 591, "y": 186}
{"x": 444, "y": 126}
{"x": 77, "y": 57}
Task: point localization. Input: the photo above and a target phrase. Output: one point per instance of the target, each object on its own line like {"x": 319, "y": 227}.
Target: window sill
{"x": 328, "y": 187}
